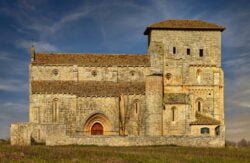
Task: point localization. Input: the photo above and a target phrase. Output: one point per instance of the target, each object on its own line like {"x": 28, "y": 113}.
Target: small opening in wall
{"x": 204, "y": 130}
{"x": 201, "y": 52}
{"x": 173, "y": 113}
{"x": 168, "y": 76}
{"x": 132, "y": 73}
{"x": 174, "y": 50}
{"x": 217, "y": 130}
{"x": 199, "y": 106}
{"x": 94, "y": 73}
{"x": 188, "y": 51}
{"x": 55, "y": 72}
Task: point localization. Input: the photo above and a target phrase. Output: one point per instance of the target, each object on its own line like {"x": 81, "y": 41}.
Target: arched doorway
{"x": 97, "y": 124}
{"x": 97, "y": 129}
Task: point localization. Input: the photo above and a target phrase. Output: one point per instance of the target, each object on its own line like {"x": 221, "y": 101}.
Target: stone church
{"x": 171, "y": 95}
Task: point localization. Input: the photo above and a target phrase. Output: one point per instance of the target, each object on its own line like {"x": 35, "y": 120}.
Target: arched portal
{"x": 97, "y": 129}
{"x": 97, "y": 124}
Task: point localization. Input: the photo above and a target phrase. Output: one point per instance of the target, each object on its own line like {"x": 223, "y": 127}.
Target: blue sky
{"x": 116, "y": 26}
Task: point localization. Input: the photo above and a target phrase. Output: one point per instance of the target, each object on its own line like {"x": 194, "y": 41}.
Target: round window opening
{"x": 168, "y": 76}
{"x": 94, "y": 73}
{"x": 132, "y": 73}
{"x": 55, "y": 72}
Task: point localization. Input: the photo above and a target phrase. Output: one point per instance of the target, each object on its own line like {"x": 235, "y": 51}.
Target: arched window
{"x": 137, "y": 106}
{"x": 199, "y": 104}
{"x": 198, "y": 76}
{"x": 55, "y": 110}
{"x": 173, "y": 113}
{"x": 204, "y": 130}
{"x": 217, "y": 130}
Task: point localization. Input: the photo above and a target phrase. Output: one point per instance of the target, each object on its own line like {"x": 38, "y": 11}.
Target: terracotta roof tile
{"x": 87, "y": 88}
{"x": 204, "y": 120}
{"x": 176, "y": 98}
{"x": 88, "y": 59}
{"x": 184, "y": 24}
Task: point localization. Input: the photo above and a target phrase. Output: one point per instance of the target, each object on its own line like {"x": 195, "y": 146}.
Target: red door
{"x": 97, "y": 129}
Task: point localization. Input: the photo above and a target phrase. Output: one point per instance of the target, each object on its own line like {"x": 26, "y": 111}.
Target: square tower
{"x": 188, "y": 55}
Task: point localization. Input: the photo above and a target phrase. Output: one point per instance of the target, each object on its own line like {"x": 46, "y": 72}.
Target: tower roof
{"x": 184, "y": 25}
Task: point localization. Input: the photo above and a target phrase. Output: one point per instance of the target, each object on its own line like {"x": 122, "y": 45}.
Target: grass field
{"x": 39, "y": 153}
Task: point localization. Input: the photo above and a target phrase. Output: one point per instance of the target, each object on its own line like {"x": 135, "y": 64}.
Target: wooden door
{"x": 97, "y": 129}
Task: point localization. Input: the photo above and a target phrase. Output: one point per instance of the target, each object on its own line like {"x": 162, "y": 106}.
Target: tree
{"x": 243, "y": 143}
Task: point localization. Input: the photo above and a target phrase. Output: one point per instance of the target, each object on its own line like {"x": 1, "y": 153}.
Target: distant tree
{"x": 230, "y": 143}
{"x": 243, "y": 143}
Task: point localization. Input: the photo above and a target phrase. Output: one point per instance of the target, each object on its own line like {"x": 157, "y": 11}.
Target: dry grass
{"x": 171, "y": 154}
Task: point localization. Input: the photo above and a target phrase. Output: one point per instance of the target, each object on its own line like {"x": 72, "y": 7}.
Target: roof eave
{"x": 148, "y": 29}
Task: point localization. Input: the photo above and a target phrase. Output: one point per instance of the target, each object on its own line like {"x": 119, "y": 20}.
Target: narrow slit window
{"x": 55, "y": 110}
{"x": 173, "y": 114}
{"x": 174, "y": 50}
{"x": 188, "y": 51}
{"x": 201, "y": 52}
{"x": 199, "y": 106}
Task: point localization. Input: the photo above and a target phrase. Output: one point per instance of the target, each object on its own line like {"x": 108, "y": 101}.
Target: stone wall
{"x": 81, "y": 73}
{"x": 209, "y": 41}
{"x": 26, "y": 133}
{"x": 154, "y": 105}
{"x": 199, "y": 77}
{"x": 75, "y": 111}
{"x": 176, "y": 119}
{"x": 196, "y": 141}
{"x": 55, "y": 134}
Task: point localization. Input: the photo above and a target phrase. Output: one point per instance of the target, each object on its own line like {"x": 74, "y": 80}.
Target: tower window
{"x": 201, "y": 52}
{"x": 188, "y": 51}
{"x": 174, "y": 50}
{"x": 198, "y": 76}
{"x": 199, "y": 106}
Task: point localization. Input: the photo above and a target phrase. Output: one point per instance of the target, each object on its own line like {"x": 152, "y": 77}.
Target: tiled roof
{"x": 184, "y": 24}
{"x": 176, "y": 98}
{"x": 88, "y": 59}
{"x": 204, "y": 120}
{"x": 87, "y": 88}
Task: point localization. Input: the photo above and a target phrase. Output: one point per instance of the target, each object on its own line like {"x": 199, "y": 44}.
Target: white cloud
{"x": 5, "y": 56}
{"x": 39, "y": 45}
{"x": 67, "y": 19}
{"x": 12, "y": 85}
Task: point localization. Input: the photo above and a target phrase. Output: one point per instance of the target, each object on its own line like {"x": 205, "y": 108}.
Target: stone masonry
{"x": 174, "y": 94}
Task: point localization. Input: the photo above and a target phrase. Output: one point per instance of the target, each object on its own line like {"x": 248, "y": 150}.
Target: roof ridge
{"x": 86, "y": 53}
{"x": 190, "y": 24}
{"x": 92, "y": 59}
